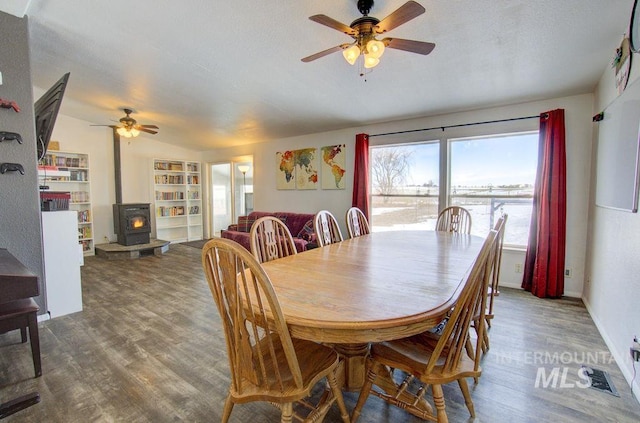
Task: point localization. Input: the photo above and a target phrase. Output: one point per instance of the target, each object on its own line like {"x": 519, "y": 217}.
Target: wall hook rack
{"x": 11, "y": 167}
{"x": 10, "y": 136}
{"x": 9, "y": 104}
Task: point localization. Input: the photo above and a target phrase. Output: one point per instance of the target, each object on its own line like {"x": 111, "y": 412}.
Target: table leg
{"x": 354, "y": 356}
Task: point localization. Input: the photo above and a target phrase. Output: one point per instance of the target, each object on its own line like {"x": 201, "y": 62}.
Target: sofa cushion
{"x": 245, "y": 223}
{"x": 306, "y": 232}
{"x": 294, "y": 221}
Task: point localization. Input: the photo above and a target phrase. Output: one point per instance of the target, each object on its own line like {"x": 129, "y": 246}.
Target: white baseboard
{"x": 621, "y": 357}
{"x": 518, "y": 286}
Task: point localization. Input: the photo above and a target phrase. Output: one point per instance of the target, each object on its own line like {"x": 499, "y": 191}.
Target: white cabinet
{"x": 62, "y": 259}
{"x": 177, "y": 200}
{"x": 69, "y": 172}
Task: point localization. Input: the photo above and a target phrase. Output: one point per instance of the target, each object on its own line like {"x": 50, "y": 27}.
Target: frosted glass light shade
{"x": 128, "y": 133}
{"x": 375, "y": 48}
{"x": 123, "y": 132}
{"x": 351, "y": 54}
{"x": 370, "y": 62}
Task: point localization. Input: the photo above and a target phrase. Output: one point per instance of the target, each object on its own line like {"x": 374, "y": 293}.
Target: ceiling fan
{"x": 130, "y": 128}
{"x": 365, "y": 29}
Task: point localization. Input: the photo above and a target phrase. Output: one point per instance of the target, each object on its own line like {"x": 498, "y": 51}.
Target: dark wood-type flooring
{"x": 149, "y": 347}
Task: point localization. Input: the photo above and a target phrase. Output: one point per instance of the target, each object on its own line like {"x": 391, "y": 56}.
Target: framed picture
{"x": 285, "y": 170}
{"x": 333, "y": 166}
{"x": 306, "y": 161}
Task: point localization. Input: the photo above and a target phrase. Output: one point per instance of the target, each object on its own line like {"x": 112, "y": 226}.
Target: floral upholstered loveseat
{"x": 300, "y": 225}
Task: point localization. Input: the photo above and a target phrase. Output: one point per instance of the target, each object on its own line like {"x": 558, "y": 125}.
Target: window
{"x": 405, "y": 186}
{"x": 487, "y": 175}
{"x": 494, "y": 175}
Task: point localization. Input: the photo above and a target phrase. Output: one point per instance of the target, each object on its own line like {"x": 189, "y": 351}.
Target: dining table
{"x": 377, "y": 287}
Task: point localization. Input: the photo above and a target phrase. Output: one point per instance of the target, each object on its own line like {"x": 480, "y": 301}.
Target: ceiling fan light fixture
{"x": 122, "y": 131}
{"x": 351, "y": 54}
{"x": 375, "y": 48}
{"x": 128, "y": 132}
{"x": 370, "y": 61}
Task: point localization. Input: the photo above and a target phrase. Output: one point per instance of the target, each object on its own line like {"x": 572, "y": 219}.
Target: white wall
{"x": 612, "y": 288}
{"x": 137, "y": 154}
{"x": 578, "y": 113}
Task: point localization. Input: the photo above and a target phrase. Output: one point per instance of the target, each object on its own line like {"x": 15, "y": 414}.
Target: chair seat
{"x": 315, "y": 362}
{"x": 412, "y": 354}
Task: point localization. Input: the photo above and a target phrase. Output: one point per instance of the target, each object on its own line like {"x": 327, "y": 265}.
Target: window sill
{"x": 515, "y": 248}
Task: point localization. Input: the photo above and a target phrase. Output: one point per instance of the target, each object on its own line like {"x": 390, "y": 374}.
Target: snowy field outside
{"x": 421, "y": 213}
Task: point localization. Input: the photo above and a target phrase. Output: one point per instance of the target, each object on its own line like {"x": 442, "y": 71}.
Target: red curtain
{"x": 544, "y": 263}
{"x": 361, "y": 174}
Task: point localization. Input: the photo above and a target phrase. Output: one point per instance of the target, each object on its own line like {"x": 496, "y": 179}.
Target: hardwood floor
{"x": 148, "y": 347}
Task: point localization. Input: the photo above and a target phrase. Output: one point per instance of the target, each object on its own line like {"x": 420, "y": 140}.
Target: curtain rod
{"x": 455, "y": 126}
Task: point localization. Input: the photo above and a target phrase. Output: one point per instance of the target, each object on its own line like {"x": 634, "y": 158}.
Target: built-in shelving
{"x": 60, "y": 171}
{"x": 177, "y": 200}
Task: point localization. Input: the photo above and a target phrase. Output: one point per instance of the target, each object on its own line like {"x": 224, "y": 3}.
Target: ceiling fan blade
{"x": 148, "y": 126}
{"x": 147, "y": 130}
{"x": 325, "y": 52}
{"x": 403, "y": 14}
{"x": 332, "y": 23}
{"x": 412, "y": 46}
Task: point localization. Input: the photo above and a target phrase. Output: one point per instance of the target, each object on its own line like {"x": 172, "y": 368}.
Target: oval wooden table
{"x": 377, "y": 287}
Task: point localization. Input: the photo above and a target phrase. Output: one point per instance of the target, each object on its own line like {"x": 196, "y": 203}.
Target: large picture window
{"x": 487, "y": 175}
{"x": 494, "y": 175}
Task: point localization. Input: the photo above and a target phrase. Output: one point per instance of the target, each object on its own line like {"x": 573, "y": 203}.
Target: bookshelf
{"x": 70, "y": 173}
{"x": 177, "y": 200}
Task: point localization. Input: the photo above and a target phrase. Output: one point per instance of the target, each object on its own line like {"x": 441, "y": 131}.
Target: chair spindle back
{"x": 271, "y": 239}
{"x": 357, "y": 223}
{"x": 326, "y": 228}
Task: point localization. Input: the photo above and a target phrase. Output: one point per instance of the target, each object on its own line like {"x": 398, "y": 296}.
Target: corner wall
{"x": 612, "y": 287}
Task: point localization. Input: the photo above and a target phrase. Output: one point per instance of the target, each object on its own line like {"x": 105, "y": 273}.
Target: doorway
{"x": 231, "y": 193}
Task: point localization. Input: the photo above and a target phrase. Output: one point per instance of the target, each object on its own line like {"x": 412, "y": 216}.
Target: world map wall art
{"x": 298, "y": 169}
{"x": 333, "y": 166}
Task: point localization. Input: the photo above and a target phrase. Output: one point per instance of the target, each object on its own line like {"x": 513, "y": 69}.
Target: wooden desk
{"x": 378, "y": 287}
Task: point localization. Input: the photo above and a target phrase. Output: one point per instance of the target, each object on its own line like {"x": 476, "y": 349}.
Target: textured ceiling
{"x": 214, "y": 73}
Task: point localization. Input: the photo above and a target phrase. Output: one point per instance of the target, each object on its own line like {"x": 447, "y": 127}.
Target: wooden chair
{"x": 22, "y": 314}
{"x": 454, "y": 219}
{"x": 266, "y": 363}
{"x": 492, "y": 275}
{"x": 357, "y": 223}
{"x": 494, "y": 290}
{"x": 271, "y": 239}
{"x": 326, "y": 228}
{"x": 432, "y": 363}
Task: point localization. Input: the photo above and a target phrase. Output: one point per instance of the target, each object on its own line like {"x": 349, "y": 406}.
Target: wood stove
{"x": 132, "y": 223}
